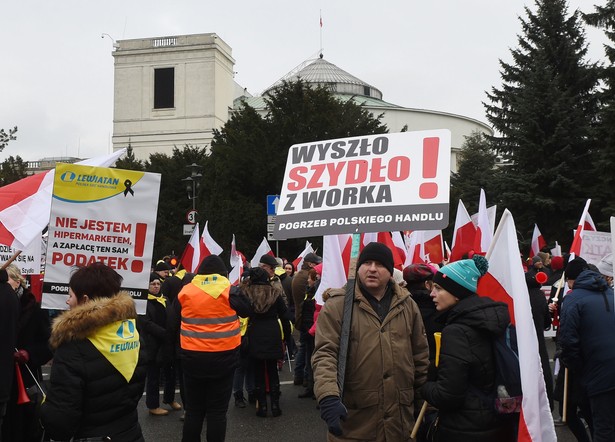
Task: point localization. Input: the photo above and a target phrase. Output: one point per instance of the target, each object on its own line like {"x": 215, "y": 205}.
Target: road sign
{"x": 191, "y": 216}
{"x": 272, "y": 204}
{"x": 270, "y": 227}
{"x": 188, "y": 229}
{"x": 270, "y": 236}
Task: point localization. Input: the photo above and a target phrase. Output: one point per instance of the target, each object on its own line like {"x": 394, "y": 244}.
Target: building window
{"x": 366, "y": 91}
{"x": 164, "y": 88}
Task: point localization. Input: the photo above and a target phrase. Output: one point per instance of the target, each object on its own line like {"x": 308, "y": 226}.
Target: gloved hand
{"x": 331, "y": 411}
{"x": 21, "y": 356}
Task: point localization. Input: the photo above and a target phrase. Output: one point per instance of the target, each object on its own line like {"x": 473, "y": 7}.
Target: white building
{"x": 172, "y": 91}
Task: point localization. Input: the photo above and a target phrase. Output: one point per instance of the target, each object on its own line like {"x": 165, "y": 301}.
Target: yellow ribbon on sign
{"x": 118, "y": 342}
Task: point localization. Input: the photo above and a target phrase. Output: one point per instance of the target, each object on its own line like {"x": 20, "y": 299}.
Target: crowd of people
{"x": 404, "y": 338}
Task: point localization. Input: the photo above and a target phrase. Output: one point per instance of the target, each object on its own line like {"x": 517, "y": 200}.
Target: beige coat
{"x": 387, "y": 364}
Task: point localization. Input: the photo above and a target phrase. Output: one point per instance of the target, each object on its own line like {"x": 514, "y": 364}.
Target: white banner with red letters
{"x": 105, "y": 215}
{"x": 373, "y": 183}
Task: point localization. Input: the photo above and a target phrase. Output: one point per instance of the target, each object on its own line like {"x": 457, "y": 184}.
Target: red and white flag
{"x": 298, "y": 262}
{"x": 413, "y": 240}
{"x": 538, "y": 242}
{"x": 484, "y": 230}
{"x": 208, "y": 245}
{"x": 236, "y": 260}
{"x": 463, "y": 235}
{"x": 335, "y": 263}
{"x": 400, "y": 246}
{"x": 191, "y": 257}
{"x": 263, "y": 249}
{"x": 589, "y": 224}
{"x": 433, "y": 250}
{"x": 578, "y": 234}
{"x": 25, "y": 205}
{"x": 505, "y": 281}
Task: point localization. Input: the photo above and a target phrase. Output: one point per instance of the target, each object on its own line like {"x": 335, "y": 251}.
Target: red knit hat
{"x": 557, "y": 263}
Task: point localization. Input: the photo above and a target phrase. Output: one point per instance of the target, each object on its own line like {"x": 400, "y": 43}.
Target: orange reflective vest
{"x": 208, "y": 323}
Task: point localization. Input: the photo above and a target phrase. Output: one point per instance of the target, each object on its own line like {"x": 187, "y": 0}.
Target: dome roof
{"x": 322, "y": 73}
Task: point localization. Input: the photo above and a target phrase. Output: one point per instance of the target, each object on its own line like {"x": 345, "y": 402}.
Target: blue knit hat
{"x": 460, "y": 278}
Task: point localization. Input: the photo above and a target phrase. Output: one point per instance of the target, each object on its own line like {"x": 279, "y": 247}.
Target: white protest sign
{"x": 28, "y": 261}
{"x": 105, "y": 215}
{"x": 374, "y": 183}
{"x": 595, "y": 245}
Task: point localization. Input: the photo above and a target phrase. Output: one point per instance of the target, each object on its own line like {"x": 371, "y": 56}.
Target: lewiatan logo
{"x": 126, "y": 330}
{"x": 68, "y": 177}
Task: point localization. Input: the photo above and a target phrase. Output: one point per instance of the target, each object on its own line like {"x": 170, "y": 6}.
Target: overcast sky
{"x": 56, "y": 81}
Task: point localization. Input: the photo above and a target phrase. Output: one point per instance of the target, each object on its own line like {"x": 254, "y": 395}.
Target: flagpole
{"x": 11, "y": 259}
{"x": 347, "y": 315}
{"x": 321, "y": 32}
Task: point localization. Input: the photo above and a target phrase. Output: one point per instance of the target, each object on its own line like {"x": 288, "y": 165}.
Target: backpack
{"x": 508, "y": 392}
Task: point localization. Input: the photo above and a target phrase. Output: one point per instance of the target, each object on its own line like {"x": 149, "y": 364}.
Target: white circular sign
{"x": 191, "y": 216}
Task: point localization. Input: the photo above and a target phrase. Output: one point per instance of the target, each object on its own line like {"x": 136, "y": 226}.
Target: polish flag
{"x": 208, "y": 245}
{"x": 386, "y": 239}
{"x": 505, "y": 281}
{"x": 191, "y": 257}
{"x": 576, "y": 242}
{"x": 400, "y": 246}
{"x": 484, "y": 231}
{"x": 589, "y": 224}
{"x": 298, "y": 262}
{"x": 336, "y": 260}
{"x": 433, "y": 250}
{"x": 413, "y": 246}
{"x": 463, "y": 235}
{"x": 263, "y": 249}
{"x": 25, "y": 205}
{"x": 538, "y": 242}
{"x": 236, "y": 260}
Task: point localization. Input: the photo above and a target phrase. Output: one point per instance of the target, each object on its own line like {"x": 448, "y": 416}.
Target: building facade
{"x": 173, "y": 91}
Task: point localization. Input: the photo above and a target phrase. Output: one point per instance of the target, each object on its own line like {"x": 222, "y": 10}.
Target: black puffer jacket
{"x": 88, "y": 396}
{"x": 586, "y": 332}
{"x": 467, "y": 368}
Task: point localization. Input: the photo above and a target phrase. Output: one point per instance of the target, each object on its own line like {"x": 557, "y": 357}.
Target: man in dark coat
{"x": 587, "y": 327}
{"x": 299, "y": 287}
{"x": 9, "y": 309}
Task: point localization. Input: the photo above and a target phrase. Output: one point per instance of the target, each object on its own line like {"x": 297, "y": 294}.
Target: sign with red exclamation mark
{"x": 140, "y": 233}
{"x": 431, "y": 147}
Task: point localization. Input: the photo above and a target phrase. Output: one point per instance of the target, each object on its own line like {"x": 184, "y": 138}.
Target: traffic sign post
{"x": 191, "y": 216}
{"x": 272, "y": 209}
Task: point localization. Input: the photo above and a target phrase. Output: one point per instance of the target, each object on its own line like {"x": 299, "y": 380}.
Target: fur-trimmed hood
{"x": 85, "y": 319}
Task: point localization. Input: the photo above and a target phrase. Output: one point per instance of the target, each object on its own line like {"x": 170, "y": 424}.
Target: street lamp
{"x": 193, "y": 182}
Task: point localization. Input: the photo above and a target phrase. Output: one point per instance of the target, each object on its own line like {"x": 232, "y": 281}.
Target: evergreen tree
{"x": 173, "y": 204}
{"x": 248, "y": 157}
{"x": 543, "y": 116}
{"x": 129, "y": 162}
{"x": 604, "y": 17}
{"x": 12, "y": 169}
{"x": 5, "y": 137}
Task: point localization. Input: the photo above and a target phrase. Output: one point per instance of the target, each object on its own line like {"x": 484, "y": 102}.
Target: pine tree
{"x": 248, "y": 156}
{"x": 604, "y": 17}
{"x": 543, "y": 116}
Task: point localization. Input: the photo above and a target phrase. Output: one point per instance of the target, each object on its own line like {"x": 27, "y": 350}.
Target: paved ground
{"x": 300, "y": 421}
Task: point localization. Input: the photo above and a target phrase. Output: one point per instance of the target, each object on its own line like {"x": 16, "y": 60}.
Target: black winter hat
{"x": 269, "y": 260}
{"x": 313, "y": 258}
{"x": 258, "y": 276}
{"x": 162, "y": 265}
{"x": 212, "y": 264}
{"x": 575, "y": 267}
{"x": 154, "y": 276}
{"x": 376, "y": 251}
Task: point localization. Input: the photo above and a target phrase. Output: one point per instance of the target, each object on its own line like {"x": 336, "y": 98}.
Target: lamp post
{"x": 193, "y": 182}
